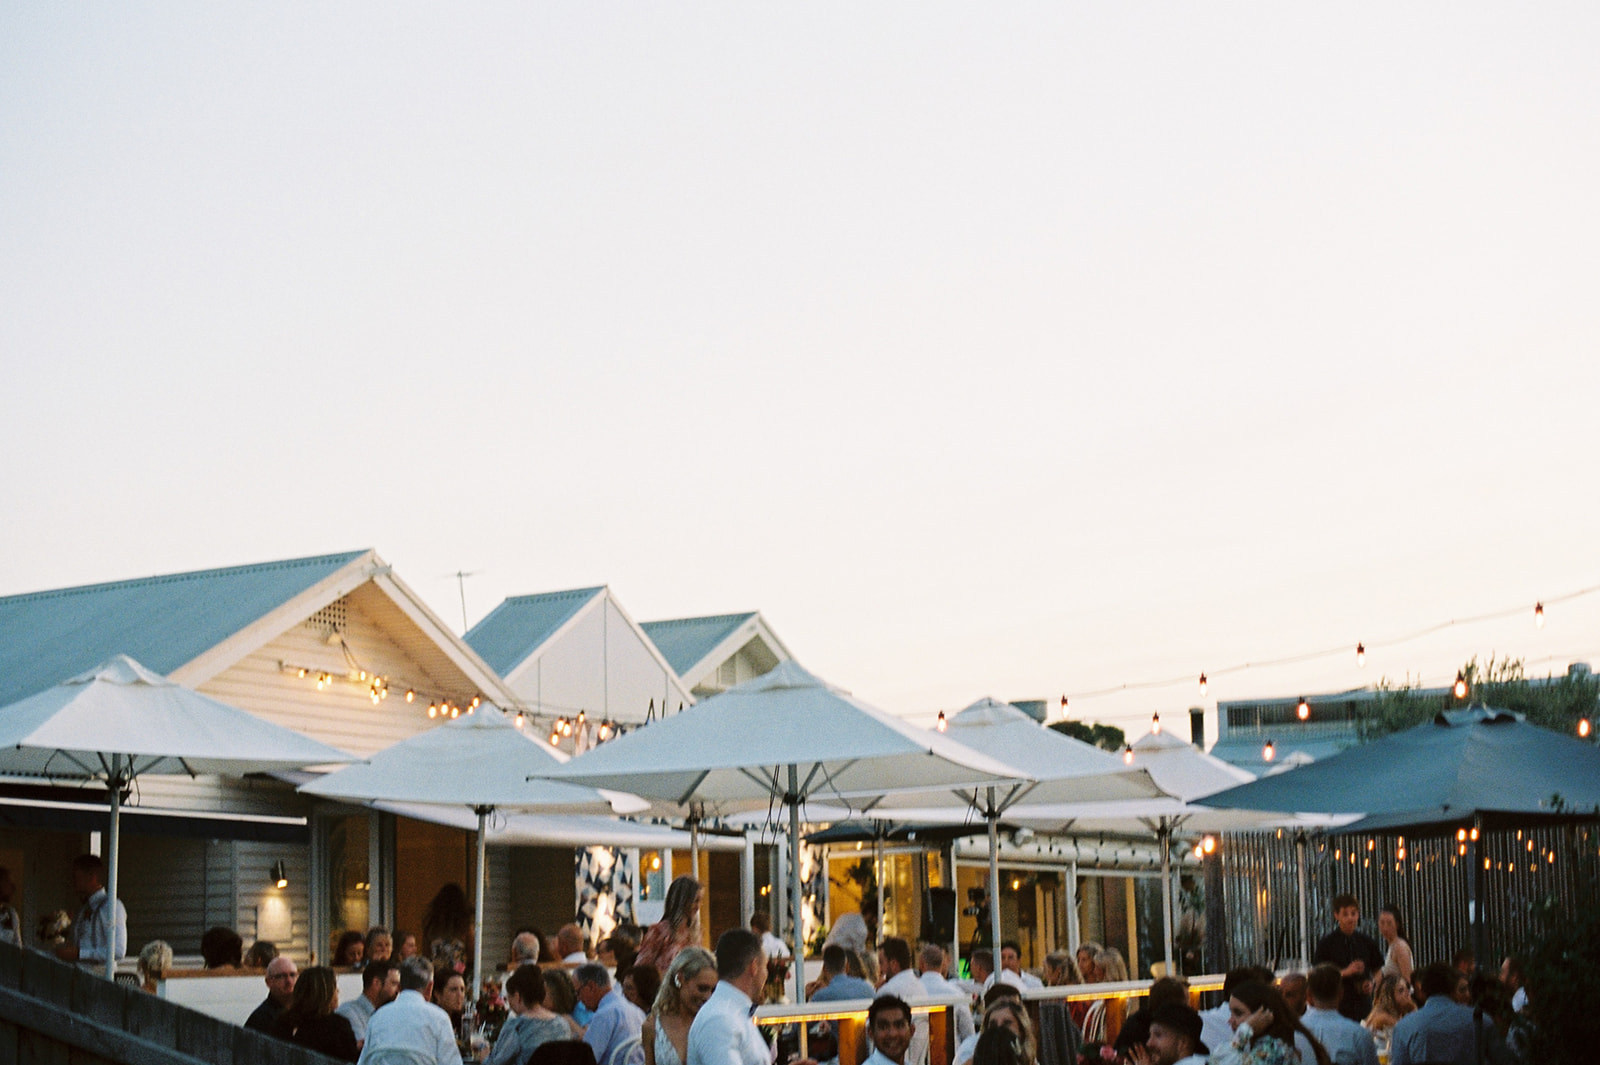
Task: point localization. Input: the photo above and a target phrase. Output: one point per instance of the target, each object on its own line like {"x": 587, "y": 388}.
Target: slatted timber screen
{"x": 52, "y": 1013}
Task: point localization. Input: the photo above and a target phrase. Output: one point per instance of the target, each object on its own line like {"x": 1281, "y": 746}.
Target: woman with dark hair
{"x": 1264, "y": 1030}
{"x": 350, "y": 949}
{"x": 997, "y": 1046}
{"x": 679, "y": 926}
{"x": 222, "y": 948}
{"x": 561, "y": 997}
{"x": 310, "y": 1019}
{"x": 447, "y": 929}
{"x": 640, "y": 985}
{"x": 1396, "y": 952}
{"x": 531, "y": 1024}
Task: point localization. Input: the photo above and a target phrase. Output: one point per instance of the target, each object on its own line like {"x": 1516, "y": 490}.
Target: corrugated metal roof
{"x": 519, "y": 625}
{"x": 163, "y": 622}
{"x": 683, "y": 642}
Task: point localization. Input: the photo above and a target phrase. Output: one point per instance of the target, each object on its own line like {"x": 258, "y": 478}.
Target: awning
{"x": 562, "y": 830}
{"x": 21, "y": 812}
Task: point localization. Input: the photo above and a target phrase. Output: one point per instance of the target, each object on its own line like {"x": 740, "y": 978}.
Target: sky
{"x": 1012, "y": 350}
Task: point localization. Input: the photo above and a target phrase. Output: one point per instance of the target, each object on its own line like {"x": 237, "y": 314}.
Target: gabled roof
{"x": 163, "y": 622}
{"x": 520, "y": 625}
{"x": 685, "y": 642}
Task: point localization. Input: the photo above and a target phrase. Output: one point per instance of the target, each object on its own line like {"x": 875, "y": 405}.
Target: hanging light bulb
{"x": 582, "y": 717}
{"x": 1063, "y": 702}
{"x": 1584, "y": 728}
{"x": 943, "y": 723}
{"x": 411, "y": 695}
{"x": 1361, "y": 654}
{"x": 1303, "y": 709}
{"x": 433, "y": 710}
{"x": 1127, "y": 755}
{"x": 605, "y": 731}
{"x": 1538, "y": 615}
{"x": 1155, "y": 723}
{"x": 455, "y": 712}
{"x": 301, "y": 672}
{"x": 1199, "y": 852}
{"x": 1202, "y": 684}
{"x": 1209, "y": 844}
{"x": 1460, "y": 688}
{"x": 322, "y": 681}
{"x": 555, "y": 737}
{"x": 1461, "y": 834}
{"x": 476, "y": 701}
{"x": 1269, "y": 752}
{"x": 519, "y": 721}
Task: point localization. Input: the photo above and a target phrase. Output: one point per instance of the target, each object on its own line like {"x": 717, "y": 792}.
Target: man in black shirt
{"x": 1356, "y": 956}
{"x": 281, "y": 976}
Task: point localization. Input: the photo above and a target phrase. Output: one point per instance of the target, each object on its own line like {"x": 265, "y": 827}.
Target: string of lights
{"x": 1360, "y": 650}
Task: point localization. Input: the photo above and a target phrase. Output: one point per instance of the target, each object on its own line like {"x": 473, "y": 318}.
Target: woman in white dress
{"x": 1396, "y": 951}
{"x": 688, "y": 982}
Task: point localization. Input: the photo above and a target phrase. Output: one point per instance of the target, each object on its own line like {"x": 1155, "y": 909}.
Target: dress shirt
{"x": 1441, "y": 1031}
{"x": 905, "y": 985}
{"x": 934, "y": 984}
{"x": 878, "y": 1057}
{"x": 725, "y": 1033}
{"x": 844, "y": 987}
{"x": 577, "y": 957}
{"x": 1215, "y": 1031}
{"x": 1026, "y": 981}
{"x": 90, "y": 929}
{"x": 1346, "y": 1042}
{"x": 410, "y": 1029}
{"x": 774, "y": 947}
{"x": 615, "y": 1021}
{"x": 358, "y": 1011}
{"x": 964, "y": 1050}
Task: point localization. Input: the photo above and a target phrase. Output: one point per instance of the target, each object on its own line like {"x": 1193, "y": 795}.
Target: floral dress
{"x": 1268, "y": 1050}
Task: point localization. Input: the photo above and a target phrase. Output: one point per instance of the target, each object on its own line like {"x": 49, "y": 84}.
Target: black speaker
{"x": 939, "y": 915}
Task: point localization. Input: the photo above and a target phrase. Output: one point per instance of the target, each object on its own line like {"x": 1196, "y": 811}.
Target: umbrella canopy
{"x": 1480, "y": 766}
{"x": 119, "y": 721}
{"x": 483, "y": 760}
{"x": 783, "y": 737}
{"x": 1063, "y": 770}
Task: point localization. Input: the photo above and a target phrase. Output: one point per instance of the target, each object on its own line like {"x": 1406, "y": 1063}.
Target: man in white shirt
{"x": 900, "y": 980}
{"x": 380, "y": 983}
{"x": 1011, "y": 967}
{"x": 91, "y": 936}
{"x": 569, "y": 942}
{"x": 615, "y": 1020}
{"x": 724, "y": 1031}
{"x": 1346, "y": 1042}
{"x": 931, "y": 963}
{"x": 771, "y": 945}
{"x": 411, "y": 1028}
{"x": 889, "y": 1024}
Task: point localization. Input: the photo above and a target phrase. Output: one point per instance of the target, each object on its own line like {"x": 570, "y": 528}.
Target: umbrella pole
{"x": 1166, "y": 891}
{"x": 1300, "y": 887}
{"x": 877, "y": 878}
{"x": 1479, "y": 894}
{"x": 796, "y": 926}
{"x": 477, "y": 914}
{"x": 994, "y": 879}
{"x": 113, "y": 844}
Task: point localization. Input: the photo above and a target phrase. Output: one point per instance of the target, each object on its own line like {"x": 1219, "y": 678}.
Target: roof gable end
{"x": 520, "y": 625}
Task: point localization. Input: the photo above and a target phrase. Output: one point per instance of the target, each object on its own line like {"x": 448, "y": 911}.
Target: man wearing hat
{"x": 1174, "y": 1038}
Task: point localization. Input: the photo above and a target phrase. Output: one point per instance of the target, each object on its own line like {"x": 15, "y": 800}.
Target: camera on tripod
{"x": 976, "y": 906}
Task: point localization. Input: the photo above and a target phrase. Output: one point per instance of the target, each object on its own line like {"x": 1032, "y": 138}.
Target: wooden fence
{"x": 52, "y": 1013}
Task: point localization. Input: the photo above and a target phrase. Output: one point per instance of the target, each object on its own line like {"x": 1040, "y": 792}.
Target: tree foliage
{"x": 1562, "y": 974}
{"x": 1106, "y": 737}
{"x": 1552, "y": 702}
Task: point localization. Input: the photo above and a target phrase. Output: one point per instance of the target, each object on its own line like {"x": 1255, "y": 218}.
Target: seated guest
{"x": 154, "y": 961}
{"x": 641, "y": 985}
{"x": 1136, "y": 1029}
{"x": 405, "y": 946}
{"x": 380, "y": 983}
{"x": 260, "y": 953}
{"x": 410, "y": 1029}
{"x": 222, "y": 949}
{"x": 282, "y": 973}
{"x": 1292, "y": 986}
{"x": 1442, "y": 1031}
{"x": 835, "y": 984}
{"x": 310, "y": 1020}
{"x": 569, "y": 941}
{"x": 614, "y": 1021}
{"x": 1346, "y": 1042}
{"x": 1174, "y": 1038}
{"x": 561, "y": 997}
{"x": 531, "y": 1023}
{"x": 349, "y": 951}
{"x": 450, "y": 995}
{"x": 380, "y": 945}
{"x": 1002, "y": 1004}
{"x": 1391, "y": 1000}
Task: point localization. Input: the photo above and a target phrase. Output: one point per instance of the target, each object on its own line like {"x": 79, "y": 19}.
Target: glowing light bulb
{"x": 301, "y": 672}
{"x": 581, "y": 718}
{"x": 455, "y": 712}
{"x": 1209, "y": 844}
{"x": 1269, "y": 752}
{"x": 411, "y": 695}
{"x": 555, "y": 737}
{"x": 1303, "y": 709}
{"x": 943, "y": 723}
{"x": 433, "y": 710}
{"x": 1202, "y": 684}
{"x": 476, "y": 701}
{"x": 519, "y": 721}
{"x": 1063, "y": 702}
{"x": 1155, "y": 723}
{"x": 1538, "y": 615}
{"x": 1584, "y": 728}
{"x": 1199, "y": 851}
{"x": 605, "y": 730}
{"x": 1361, "y": 654}
{"x": 1460, "y": 688}
{"x": 1127, "y": 755}
{"x": 1461, "y": 834}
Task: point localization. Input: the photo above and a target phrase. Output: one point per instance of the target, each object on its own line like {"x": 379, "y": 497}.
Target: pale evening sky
{"x": 987, "y": 349}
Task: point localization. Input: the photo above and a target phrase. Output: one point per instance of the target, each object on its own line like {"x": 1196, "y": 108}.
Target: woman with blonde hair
{"x": 679, "y": 926}
{"x": 1011, "y": 1014}
{"x": 1104, "y": 1019}
{"x": 154, "y": 961}
{"x": 688, "y": 983}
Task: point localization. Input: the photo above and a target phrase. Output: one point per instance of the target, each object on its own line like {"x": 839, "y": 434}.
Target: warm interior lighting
{"x": 1269, "y": 752}
{"x": 280, "y": 875}
{"x": 1303, "y": 709}
{"x": 1361, "y": 654}
{"x": 943, "y": 723}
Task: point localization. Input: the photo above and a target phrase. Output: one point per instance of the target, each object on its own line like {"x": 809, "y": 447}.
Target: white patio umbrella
{"x": 483, "y": 760}
{"x": 1064, "y": 770}
{"x": 120, "y": 721}
{"x": 784, "y": 737}
{"x": 1185, "y": 773}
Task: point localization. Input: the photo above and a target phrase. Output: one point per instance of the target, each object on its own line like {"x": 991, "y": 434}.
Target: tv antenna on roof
{"x": 461, "y": 584}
